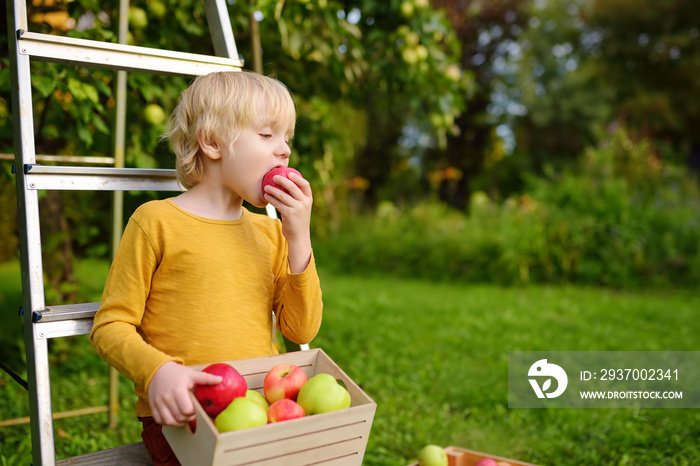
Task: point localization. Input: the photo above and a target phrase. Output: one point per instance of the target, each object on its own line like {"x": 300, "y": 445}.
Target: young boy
{"x": 197, "y": 277}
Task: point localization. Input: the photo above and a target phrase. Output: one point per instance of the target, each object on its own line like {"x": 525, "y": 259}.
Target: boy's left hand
{"x": 295, "y": 209}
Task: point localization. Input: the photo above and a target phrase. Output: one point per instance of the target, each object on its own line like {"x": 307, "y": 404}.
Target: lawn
{"x": 434, "y": 357}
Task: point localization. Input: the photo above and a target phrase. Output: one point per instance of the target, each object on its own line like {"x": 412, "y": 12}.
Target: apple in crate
{"x": 284, "y": 410}
{"x": 432, "y": 455}
{"x": 258, "y": 397}
{"x": 242, "y": 413}
{"x": 214, "y": 398}
{"x": 323, "y": 394}
{"x": 487, "y": 462}
{"x": 283, "y": 381}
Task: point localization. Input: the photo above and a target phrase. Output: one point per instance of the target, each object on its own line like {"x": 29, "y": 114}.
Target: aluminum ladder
{"x": 42, "y": 323}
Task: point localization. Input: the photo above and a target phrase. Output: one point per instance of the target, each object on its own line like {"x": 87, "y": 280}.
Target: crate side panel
{"x": 198, "y": 448}
{"x": 464, "y": 457}
{"x": 271, "y": 433}
{"x": 330, "y": 436}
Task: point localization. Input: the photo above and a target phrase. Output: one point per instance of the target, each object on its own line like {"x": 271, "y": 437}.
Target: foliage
{"x": 587, "y": 63}
{"x": 490, "y": 33}
{"x": 8, "y": 218}
{"x": 565, "y": 103}
{"x": 434, "y": 359}
{"x": 650, "y": 56}
{"x": 624, "y": 218}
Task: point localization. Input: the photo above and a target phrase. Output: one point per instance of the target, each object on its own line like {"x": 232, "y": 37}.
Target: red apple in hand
{"x": 283, "y": 171}
{"x": 283, "y": 381}
{"x": 215, "y": 398}
{"x": 283, "y": 410}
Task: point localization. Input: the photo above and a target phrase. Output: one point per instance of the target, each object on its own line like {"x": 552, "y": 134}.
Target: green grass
{"x": 434, "y": 358}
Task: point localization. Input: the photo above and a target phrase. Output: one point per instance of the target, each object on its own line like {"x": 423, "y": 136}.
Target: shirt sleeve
{"x": 298, "y": 303}
{"x": 115, "y": 331}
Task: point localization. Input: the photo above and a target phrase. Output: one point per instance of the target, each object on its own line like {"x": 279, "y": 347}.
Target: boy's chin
{"x": 258, "y": 204}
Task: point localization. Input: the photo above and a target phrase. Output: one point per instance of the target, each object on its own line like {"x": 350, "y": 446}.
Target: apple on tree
{"x": 283, "y": 381}
{"x": 242, "y": 413}
{"x": 283, "y": 410}
{"x": 323, "y": 394}
{"x": 215, "y": 398}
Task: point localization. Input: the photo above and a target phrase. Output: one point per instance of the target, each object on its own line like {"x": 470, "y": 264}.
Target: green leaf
{"x": 84, "y": 134}
{"x": 76, "y": 89}
{"x": 44, "y": 84}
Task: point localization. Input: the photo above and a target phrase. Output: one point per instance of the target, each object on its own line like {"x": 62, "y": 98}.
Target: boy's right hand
{"x": 168, "y": 395}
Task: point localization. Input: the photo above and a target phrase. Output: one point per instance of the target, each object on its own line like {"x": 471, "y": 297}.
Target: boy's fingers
{"x": 302, "y": 183}
{"x": 156, "y": 415}
{"x": 185, "y": 408}
{"x": 204, "y": 378}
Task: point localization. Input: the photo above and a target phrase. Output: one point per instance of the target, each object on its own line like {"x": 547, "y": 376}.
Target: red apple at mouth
{"x": 282, "y": 171}
{"x": 283, "y": 410}
{"x": 215, "y": 398}
{"x": 283, "y": 381}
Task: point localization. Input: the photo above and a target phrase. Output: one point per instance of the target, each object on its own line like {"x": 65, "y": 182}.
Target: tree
{"x": 649, "y": 52}
{"x": 384, "y": 66}
{"x": 589, "y": 63}
{"x": 566, "y": 103}
{"x": 488, "y": 32}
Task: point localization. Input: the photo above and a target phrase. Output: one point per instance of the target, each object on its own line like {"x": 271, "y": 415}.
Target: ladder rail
{"x": 33, "y": 299}
{"x": 44, "y": 177}
{"x": 109, "y": 55}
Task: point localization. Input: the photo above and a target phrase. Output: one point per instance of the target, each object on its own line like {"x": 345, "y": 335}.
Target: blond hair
{"x": 222, "y": 105}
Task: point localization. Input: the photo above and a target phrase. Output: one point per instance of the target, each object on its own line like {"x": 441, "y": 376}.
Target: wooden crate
{"x": 337, "y": 438}
{"x": 460, "y": 457}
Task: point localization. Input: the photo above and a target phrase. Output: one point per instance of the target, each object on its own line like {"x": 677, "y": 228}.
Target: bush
{"x": 623, "y": 218}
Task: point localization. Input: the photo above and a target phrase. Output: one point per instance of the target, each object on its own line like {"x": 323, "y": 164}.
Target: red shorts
{"x": 157, "y": 446}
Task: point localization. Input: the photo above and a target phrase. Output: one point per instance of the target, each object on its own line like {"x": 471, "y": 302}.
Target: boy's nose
{"x": 283, "y": 150}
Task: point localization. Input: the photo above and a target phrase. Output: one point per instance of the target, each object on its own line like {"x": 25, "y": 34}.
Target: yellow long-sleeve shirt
{"x": 194, "y": 290}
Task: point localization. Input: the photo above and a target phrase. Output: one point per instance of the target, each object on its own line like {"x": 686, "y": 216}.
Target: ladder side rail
{"x": 100, "y": 179}
{"x": 84, "y": 52}
{"x": 33, "y": 299}
{"x": 221, "y": 30}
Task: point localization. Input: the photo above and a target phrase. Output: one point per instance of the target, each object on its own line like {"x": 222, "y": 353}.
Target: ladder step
{"x": 100, "y": 178}
{"x": 66, "y": 312}
{"x": 72, "y": 51}
{"x": 133, "y": 453}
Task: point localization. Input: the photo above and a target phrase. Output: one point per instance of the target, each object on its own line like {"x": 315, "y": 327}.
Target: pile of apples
{"x": 435, "y": 455}
{"x": 288, "y": 394}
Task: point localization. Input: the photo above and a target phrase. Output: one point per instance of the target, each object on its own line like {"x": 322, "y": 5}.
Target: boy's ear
{"x": 209, "y": 146}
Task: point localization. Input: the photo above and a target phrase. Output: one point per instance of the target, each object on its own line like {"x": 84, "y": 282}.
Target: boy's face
{"x": 254, "y": 153}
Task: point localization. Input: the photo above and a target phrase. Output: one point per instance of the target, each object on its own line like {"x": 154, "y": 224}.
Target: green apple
{"x": 407, "y": 8}
{"x": 322, "y": 394}
{"x": 157, "y": 8}
{"x": 242, "y": 413}
{"x": 154, "y": 114}
{"x": 432, "y": 455}
{"x": 257, "y": 397}
{"x": 138, "y": 17}
{"x": 410, "y": 56}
